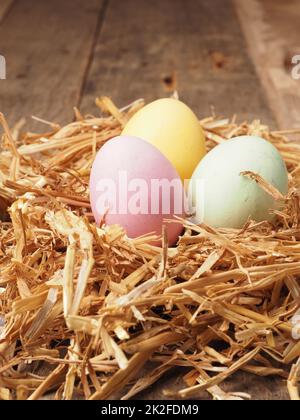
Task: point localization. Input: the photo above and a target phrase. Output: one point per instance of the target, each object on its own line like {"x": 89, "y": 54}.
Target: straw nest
{"x": 95, "y": 306}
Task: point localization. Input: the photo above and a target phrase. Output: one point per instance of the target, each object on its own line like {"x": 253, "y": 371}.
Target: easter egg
{"x": 133, "y": 184}
{"x": 224, "y": 198}
{"x": 174, "y": 129}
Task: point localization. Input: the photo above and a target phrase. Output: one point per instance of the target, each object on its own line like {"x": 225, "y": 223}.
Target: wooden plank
{"x": 259, "y": 388}
{"x": 273, "y": 33}
{"x": 147, "y": 48}
{"x": 47, "y": 46}
{"x": 5, "y": 5}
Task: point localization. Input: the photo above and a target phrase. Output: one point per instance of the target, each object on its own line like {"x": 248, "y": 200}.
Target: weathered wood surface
{"x": 47, "y": 46}
{"x": 5, "y": 5}
{"x": 273, "y": 32}
{"x": 146, "y": 49}
{"x": 259, "y": 388}
{"x": 263, "y": 389}
{"x": 64, "y": 53}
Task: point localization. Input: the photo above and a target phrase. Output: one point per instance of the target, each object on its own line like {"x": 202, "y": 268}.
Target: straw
{"x": 86, "y": 312}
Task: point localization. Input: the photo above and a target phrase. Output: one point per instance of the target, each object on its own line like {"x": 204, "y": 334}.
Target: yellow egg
{"x": 174, "y": 129}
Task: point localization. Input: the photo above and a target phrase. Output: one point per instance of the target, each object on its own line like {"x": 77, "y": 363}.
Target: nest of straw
{"x": 96, "y": 307}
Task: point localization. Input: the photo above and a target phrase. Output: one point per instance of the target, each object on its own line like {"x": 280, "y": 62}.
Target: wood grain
{"x": 146, "y": 49}
{"x": 5, "y": 5}
{"x": 259, "y": 388}
{"x": 47, "y": 46}
{"x": 273, "y": 33}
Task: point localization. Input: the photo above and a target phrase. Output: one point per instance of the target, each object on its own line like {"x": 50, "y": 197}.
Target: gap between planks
{"x": 47, "y": 46}
{"x": 148, "y": 49}
{"x": 272, "y": 32}
{"x": 100, "y": 20}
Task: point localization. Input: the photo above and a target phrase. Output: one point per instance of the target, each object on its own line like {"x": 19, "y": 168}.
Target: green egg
{"x": 224, "y": 198}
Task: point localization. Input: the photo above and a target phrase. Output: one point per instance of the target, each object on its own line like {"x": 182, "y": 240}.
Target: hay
{"x": 96, "y": 306}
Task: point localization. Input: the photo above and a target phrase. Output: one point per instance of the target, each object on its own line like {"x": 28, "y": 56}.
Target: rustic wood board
{"x": 47, "y": 46}
{"x": 5, "y": 5}
{"x": 146, "y": 49}
{"x": 259, "y": 388}
{"x": 273, "y": 33}
{"x": 263, "y": 389}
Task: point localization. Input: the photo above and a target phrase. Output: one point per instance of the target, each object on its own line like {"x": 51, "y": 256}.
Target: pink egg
{"x": 134, "y": 185}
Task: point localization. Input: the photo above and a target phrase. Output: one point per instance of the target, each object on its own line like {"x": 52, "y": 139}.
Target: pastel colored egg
{"x": 224, "y": 198}
{"x": 174, "y": 129}
{"x": 133, "y": 184}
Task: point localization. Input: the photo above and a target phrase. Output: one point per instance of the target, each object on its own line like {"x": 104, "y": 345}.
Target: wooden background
{"x": 234, "y": 55}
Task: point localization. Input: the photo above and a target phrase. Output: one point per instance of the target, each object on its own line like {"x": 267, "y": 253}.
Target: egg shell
{"x": 124, "y": 160}
{"x": 174, "y": 129}
{"x": 222, "y": 197}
